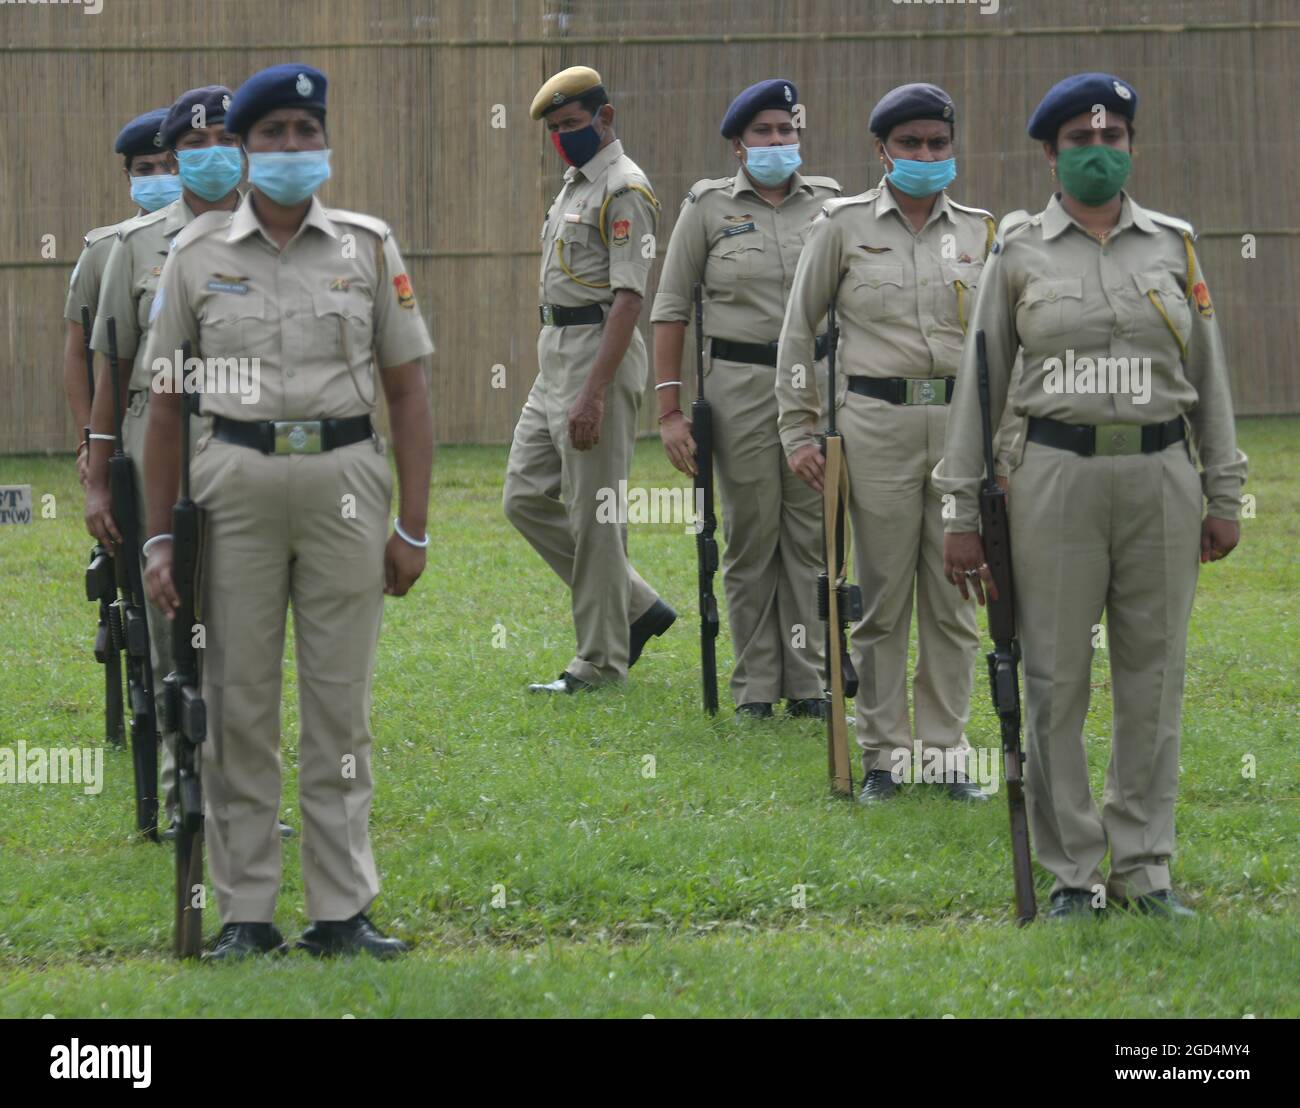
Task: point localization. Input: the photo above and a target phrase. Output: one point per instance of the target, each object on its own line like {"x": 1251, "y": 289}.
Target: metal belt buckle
{"x": 548, "y": 315}
{"x": 926, "y": 392}
{"x": 297, "y": 436}
{"x": 1114, "y": 439}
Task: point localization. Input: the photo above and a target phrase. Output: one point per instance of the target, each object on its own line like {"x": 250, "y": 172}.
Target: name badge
{"x": 227, "y": 286}
{"x": 572, "y": 217}
{"x": 740, "y": 230}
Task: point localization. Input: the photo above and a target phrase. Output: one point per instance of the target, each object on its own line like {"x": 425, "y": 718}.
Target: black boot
{"x": 565, "y": 684}
{"x": 1071, "y": 904}
{"x": 652, "y": 624}
{"x": 963, "y": 788}
{"x": 879, "y": 785}
{"x": 755, "y": 709}
{"x": 239, "y": 940}
{"x": 809, "y": 707}
{"x": 357, "y": 935}
{"x": 1162, "y": 903}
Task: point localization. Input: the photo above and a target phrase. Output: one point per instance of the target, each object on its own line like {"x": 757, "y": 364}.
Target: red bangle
{"x": 675, "y": 411}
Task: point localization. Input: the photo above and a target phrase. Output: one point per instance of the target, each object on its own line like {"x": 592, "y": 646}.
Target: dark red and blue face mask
{"x": 577, "y": 147}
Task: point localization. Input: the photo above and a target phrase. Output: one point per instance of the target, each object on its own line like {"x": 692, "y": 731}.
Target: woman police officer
{"x": 1106, "y": 302}
{"x": 740, "y": 237}
{"x": 903, "y": 261}
{"x": 296, "y": 487}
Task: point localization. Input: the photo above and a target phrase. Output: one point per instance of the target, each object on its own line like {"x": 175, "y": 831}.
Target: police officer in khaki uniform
{"x": 1121, "y": 358}
{"x": 130, "y": 281}
{"x": 297, "y": 491}
{"x": 903, "y": 261}
{"x": 154, "y": 185}
{"x": 573, "y": 443}
{"x": 740, "y": 238}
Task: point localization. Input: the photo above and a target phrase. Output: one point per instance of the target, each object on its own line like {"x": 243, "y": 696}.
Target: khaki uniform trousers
{"x": 897, "y": 530}
{"x": 134, "y": 421}
{"x": 771, "y": 521}
{"x": 558, "y": 497}
{"x": 1120, "y": 535}
{"x": 280, "y": 530}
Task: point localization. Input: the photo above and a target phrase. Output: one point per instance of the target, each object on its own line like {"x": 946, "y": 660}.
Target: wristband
{"x": 144, "y": 549}
{"x": 397, "y": 526}
{"x": 666, "y": 385}
{"x": 675, "y": 411}
{"x": 103, "y": 438}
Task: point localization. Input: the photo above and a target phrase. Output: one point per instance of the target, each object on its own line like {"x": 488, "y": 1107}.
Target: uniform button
{"x": 288, "y": 313}
{"x": 925, "y": 280}
{"x": 1051, "y": 295}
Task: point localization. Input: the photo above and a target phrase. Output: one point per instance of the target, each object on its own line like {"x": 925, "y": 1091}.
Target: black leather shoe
{"x": 963, "y": 788}
{"x": 1071, "y": 904}
{"x": 1163, "y": 903}
{"x": 357, "y": 935}
{"x": 652, "y": 624}
{"x": 755, "y": 709}
{"x": 286, "y": 832}
{"x": 879, "y": 785}
{"x": 566, "y": 683}
{"x": 240, "y": 940}
{"x": 167, "y": 834}
{"x": 808, "y": 707}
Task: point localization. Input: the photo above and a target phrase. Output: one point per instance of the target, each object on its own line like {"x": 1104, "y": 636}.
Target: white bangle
{"x": 666, "y": 385}
{"x": 103, "y": 438}
{"x": 397, "y": 526}
{"x": 149, "y": 542}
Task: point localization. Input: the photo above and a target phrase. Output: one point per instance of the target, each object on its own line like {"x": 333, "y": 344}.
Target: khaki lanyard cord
{"x": 604, "y": 238}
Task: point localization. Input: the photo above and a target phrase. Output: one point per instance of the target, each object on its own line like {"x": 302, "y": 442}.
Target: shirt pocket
{"x": 737, "y": 258}
{"x": 875, "y": 290}
{"x": 344, "y": 328}
{"x": 1159, "y": 287}
{"x": 961, "y": 280}
{"x": 1050, "y": 307}
{"x": 234, "y": 326}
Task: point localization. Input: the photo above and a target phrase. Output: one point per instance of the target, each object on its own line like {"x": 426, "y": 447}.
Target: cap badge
{"x": 225, "y": 103}
{"x": 304, "y": 85}
{"x": 558, "y": 98}
{"x": 157, "y": 139}
{"x": 947, "y": 111}
{"x": 789, "y": 96}
{"x": 1121, "y": 91}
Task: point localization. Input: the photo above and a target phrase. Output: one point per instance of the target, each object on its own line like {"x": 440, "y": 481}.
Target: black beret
{"x": 281, "y": 86}
{"x": 180, "y": 118}
{"x": 773, "y": 93}
{"x": 908, "y": 102}
{"x": 1076, "y": 95}
{"x": 140, "y": 136}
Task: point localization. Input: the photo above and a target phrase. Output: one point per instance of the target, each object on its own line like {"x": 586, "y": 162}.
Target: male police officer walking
{"x": 573, "y": 442}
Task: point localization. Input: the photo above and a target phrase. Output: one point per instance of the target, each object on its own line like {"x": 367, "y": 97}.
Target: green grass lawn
{"x": 670, "y": 895}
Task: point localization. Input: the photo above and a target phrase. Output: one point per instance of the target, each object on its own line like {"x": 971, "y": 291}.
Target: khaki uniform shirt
{"x": 1051, "y": 290}
{"x": 313, "y": 314}
{"x": 88, "y": 274}
{"x": 594, "y": 240}
{"x": 902, "y": 297}
{"x": 131, "y": 277}
{"x": 743, "y": 250}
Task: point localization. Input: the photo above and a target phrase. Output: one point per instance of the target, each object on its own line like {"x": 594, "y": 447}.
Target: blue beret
{"x": 908, "y": 102}
{"x": 773, "y": 93}
{"x": 291, "y": 85}
{"x": 140, "y": 136}
{"x": 1078, "y": 94}
{"x": 180, "y": 118}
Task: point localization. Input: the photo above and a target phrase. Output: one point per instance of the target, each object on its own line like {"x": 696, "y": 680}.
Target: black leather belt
{"x": 1106, "y": 439}
{"x": 904, "y": 390}
{"x": 293, "y": 436}
{"x": 758, "y": 353}
{"x": 554, "y": 316}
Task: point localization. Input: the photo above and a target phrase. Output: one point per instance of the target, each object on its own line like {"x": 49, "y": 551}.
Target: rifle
{"x": 706, "y": 544}
{"x": 839, "y": 604}
{"x": 131, "y": 614}
{"x": 100, "y": 587}
{"x": 1004, "y": 682}
{"x": 185, "y": 712}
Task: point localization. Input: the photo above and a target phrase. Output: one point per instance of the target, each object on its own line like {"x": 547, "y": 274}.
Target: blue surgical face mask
{"x": 155, "y": 192}
{"x": 289, "y": 178}
{"x": 923, "y": 178}
{"x": 210, "y": 172}
{"x": 770, "y": 165}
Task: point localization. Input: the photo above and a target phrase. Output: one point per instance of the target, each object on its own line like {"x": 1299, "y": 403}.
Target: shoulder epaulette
{"x": 832, "y": 206}
{"x": 1012, "y": 223}
{"x": 98, "y": 234}
{"x": 129, "y": 227}
{"x": 200, "y": 226}
{"x": 825, "y": 183}
{"x": 708, "y": 184}
{"x": 1179, "y": 225}
{"x": 369, "y": 222}
{"x": 967, "y": 208}
{"x": 625, "y": 175}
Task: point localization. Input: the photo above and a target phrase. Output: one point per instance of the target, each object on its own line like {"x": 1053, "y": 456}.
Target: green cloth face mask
{"x": 1093, "y": 174}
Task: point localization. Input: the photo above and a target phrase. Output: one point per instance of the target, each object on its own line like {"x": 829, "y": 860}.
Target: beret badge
{"x": 303, "y": 85}
{"x": 225, "y": 103}
{"x": 789, "y": 96}
{"x": 1122, "y": 91}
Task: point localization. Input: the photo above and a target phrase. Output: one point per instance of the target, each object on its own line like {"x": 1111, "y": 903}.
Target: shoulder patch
{"x": 1179, "y": 225}
{"x": 357, "y": 219}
